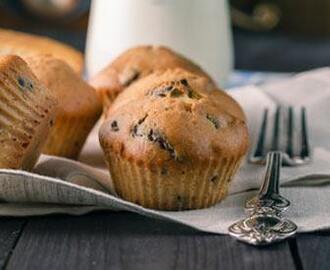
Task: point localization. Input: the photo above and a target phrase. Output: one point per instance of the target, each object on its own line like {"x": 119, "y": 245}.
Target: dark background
{"x": 273, "y": 50}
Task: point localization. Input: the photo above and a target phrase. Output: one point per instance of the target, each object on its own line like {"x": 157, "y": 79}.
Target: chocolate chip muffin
{"x": 135, "y": 64}
{"x": 78, "y": 105}
{"x": 27, "y": 110}
{"x": 23, "y": 44}
{"x": 175, "y": 146}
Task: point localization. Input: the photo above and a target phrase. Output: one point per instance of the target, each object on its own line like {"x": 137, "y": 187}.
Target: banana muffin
{"x": 23, "y": 44}
{"x": 135, "y": 64}
{"x": 175, "y": 147}
{"x": 27, "y": 110}
{"x": 78, "y": 105}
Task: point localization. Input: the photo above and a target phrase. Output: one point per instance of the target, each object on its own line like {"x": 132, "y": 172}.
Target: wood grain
{"x": 314, "y": 250}
{"x": 128, "y": 241}
{"x": 10, "y": 230}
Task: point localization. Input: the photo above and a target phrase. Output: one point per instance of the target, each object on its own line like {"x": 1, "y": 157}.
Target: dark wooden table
{"x": 107, "y": 240}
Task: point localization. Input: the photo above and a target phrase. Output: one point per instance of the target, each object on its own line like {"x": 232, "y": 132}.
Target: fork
{"x": 289, "y": 157}
{"x": 265, "y": 224}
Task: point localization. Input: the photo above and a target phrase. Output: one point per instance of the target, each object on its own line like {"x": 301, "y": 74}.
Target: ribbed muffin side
{"x": 26, "y": 113}
{"x": 68, "y": 135}
{"x": 79, "y": 106}
{"x": 195, "y": 187}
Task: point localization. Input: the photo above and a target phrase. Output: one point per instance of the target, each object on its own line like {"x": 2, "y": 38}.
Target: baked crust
{"x": 23, "y": 44}
{"x": 135, "y": 64}
{"x": 197, "y": 123}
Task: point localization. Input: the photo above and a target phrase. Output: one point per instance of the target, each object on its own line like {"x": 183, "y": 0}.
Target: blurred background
{"x": 277, "y": 36}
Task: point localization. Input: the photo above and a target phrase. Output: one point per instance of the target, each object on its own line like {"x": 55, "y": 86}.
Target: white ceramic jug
{"x": 198, "y": 29}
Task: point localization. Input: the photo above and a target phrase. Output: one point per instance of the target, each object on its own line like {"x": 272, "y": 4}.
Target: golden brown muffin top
{"x": 75, "y": 96}
{"x": 163, "y": 77}
{"x": 138, "y": 62}
{"x": 176, "y": 119}
{"x": 22, "y": 44}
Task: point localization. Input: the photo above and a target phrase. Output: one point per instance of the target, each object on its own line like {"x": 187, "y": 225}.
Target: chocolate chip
{"x": 168, "y": 88}
{"x": 21, "y": 82}
{"x": 142, "y": 119}
{"x": 176, "y": 93}
{"x": 155, "y": 137}
{"x": 162, "y": 141}
{"x": 25, "y": 144}
{"x": 161, "y": 91}
{"x": 25, "y": 84}
{"x": 150, "y": 135}
{"x": 213, "y": 120}
{"x": 193, "y": 94}
{"x": 114, "y": 126}
{"x": 135, "y": 130}
{"x": 184, "y": 82}
{"x": 30, "y": 85}
{"x": 214, "y": 178}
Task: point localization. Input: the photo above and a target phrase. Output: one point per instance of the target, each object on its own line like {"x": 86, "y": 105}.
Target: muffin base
{"x": 193, "y": 187}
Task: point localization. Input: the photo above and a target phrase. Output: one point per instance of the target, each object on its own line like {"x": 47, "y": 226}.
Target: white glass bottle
{"x": 199, "y": 29}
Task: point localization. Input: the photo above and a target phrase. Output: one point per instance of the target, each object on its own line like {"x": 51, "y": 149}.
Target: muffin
{"x": 135, "y": 64}
{"x": 27, "y": 110}
{"x": 78, "y": 105}
{"x": 22, "y": 44}
{"x": 177, "y": 146}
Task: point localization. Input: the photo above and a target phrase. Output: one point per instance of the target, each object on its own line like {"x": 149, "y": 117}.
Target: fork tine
{"x": 289, "y": 148}
{"x": 276, "y": 133}
{"x": 304, "y": 135}
{"x": 259, "y": 151}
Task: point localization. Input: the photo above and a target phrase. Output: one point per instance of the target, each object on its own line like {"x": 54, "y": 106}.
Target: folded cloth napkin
{"x": 58, "y": 185}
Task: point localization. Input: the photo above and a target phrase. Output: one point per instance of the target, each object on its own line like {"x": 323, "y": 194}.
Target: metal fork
{"x": 265, "y": 223}
{"x": 289, "y": 157}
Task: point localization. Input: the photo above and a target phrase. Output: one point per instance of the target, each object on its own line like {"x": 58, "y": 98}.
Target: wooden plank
{"x": 314, "y": 250}
{"x": 10, "y": 230}
{"x": 128, "y": 241}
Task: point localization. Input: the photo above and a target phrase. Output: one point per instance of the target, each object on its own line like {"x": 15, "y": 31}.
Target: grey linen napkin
{"x": 59, "y": 185}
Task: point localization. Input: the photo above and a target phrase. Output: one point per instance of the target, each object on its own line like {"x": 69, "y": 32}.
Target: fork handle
{"x": 270, "y": 184}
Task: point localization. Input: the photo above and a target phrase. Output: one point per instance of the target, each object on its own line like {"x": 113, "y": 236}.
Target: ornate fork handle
{"x": 265, "y": 224}
{"x": 268, "y": 195}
